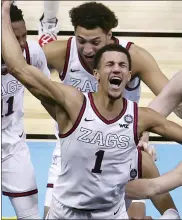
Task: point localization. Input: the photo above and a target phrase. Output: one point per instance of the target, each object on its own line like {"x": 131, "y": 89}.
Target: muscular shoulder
{"x": 142, "y": 60}
{"x": 55, "y": 53}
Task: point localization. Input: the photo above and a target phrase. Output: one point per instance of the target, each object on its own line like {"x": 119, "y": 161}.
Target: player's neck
{"x": 106, "y": 106}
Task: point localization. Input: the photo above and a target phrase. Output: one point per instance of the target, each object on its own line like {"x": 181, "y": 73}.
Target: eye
{"x": 81, "y": 41}
{"x": 123, "y": 65}
{"x": 96, "y": 43}
{"x": 109, "y": 64}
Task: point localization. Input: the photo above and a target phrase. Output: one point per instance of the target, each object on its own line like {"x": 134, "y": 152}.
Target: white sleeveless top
{"x": 12, "y": 91}
{"x": 76, "y": 73}
{"x": 96, "y": 157}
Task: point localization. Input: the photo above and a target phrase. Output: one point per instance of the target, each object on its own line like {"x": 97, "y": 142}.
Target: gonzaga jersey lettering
{"x": 96, "y": 158}
{"x": 12, "y": 91}
{"x": 76, "y": 73}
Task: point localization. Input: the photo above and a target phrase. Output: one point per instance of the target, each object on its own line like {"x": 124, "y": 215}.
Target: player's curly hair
{"x": 92, "y": 15}
{"x": 15, "y": 13}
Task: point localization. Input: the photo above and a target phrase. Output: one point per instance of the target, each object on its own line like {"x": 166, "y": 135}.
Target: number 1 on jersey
{"x": 10, "y": 106}
{"x": 98, "y": 162}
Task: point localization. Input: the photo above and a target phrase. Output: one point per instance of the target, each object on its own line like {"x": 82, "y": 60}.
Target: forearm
{"x": 170, "y": 97}
{"x": 147, "y": 188}
{"x": 169, "y": 130}
{"x": 31, "y": 77}
{"x": 163, "y": 202}
{"x": 161, "y": 105}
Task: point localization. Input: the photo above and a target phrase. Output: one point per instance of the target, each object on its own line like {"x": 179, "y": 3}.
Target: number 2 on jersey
{"x": 10, "y": 106}
{"x": 98, "y": 162}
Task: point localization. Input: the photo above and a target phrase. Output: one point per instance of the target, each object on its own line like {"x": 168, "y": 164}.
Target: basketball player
{"x": 73, "y": 59}
{"x": 18, "y": 177}
{"x": 48, "y": 28}
{"x": 82, "y": 119}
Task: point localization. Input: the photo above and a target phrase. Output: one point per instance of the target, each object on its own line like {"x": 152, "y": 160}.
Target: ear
{"x": 109, "y": 35}
{"x": 96, "y": 74}
{"x": 129, "y": 76}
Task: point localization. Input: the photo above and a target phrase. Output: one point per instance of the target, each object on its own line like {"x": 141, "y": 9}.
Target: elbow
{"x": 151, "y": 190}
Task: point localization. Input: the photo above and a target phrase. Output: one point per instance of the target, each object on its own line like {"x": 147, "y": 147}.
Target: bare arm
{"x": 147, "y": 69}
{"x": 55, "y": 53}
{"x": 170, "y": 97}
{"x": 148, "y": 188}
{"x": 35, "y": 81}
{"x": 164, "y": 201}
{"x": 151, "y": 121}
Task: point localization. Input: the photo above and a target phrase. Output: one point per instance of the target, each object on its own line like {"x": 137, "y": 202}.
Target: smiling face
{"x": 90, "y": 41}
{"x": 20, "y": 32}
{"x": 113, "y": 73}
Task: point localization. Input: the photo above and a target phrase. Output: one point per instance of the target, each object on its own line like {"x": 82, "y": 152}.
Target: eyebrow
{"x": 111, "y": 61}
{"x": 96, "y": 38}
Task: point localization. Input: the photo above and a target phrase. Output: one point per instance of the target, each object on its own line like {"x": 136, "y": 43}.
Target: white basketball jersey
{"x": 12, "y": 91}
{"x": 76, "y": 73}
{"x": 97, "y": 157}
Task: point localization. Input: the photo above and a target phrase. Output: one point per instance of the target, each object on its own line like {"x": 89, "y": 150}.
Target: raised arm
{"x": 35, "y": 81}
{"x": 152, "y": 121}
{"x": 147, "y": 188}
{"x": 170, "y": 97}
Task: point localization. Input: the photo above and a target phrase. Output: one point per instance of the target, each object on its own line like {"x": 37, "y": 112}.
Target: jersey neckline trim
{"x": 102, "y": 117}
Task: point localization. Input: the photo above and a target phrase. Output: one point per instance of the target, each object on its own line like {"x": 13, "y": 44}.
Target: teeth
{"x": 115, "y": 77}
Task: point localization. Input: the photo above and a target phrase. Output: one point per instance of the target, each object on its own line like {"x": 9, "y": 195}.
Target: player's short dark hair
{"x": 15, "y": 14}
{"x": 92, "y": 15}
{"x": 111, "y": 47}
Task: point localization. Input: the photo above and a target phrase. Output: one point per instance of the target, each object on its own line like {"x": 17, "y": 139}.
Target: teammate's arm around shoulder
{"x": 152, "y": 121}
{"x": 55, "y": 53}
{"x": 147, "y": 69}
{"x": 35, "y": 81}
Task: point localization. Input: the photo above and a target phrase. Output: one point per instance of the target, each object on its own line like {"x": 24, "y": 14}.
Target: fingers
{"x": 6, "y": 5}
{"x": 149, "y": 149}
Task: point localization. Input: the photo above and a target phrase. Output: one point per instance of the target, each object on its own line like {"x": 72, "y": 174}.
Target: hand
{"x": 6, "y": 6}
{"x": 144, "y": 145}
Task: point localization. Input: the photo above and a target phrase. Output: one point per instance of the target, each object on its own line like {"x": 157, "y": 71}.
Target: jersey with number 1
{"x": 12, "y": 91}
{"x": 96, "y": 158}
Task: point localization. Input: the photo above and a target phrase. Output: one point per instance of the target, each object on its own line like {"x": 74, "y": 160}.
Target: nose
{"x": 87, "y": 49}
{"x": 116, "y": 68}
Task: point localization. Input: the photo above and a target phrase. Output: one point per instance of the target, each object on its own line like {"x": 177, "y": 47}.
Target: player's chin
{"x": 114, "y": 95}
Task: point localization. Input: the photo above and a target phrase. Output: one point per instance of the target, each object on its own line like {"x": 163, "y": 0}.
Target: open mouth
{"x": 89, "y": 57}
{"x": 115, "y": 81}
